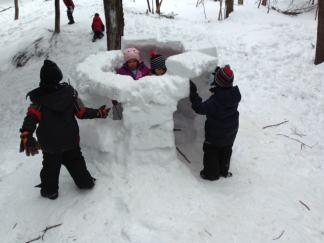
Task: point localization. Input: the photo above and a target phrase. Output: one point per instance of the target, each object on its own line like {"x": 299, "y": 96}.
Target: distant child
{"x": 97, "y": 27}
{"x": 52, "y": 114}
{"x": 222, "y": 122}
{"x": 158, "y": 67}
{"x": 70, "y": 8}
{"x": 133, "y": 65}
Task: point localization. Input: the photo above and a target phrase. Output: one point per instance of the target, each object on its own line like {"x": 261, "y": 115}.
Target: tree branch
{"x": 302, "y": 144}
{"x": 275, "y": 125}
{"x": 281, "y": 234}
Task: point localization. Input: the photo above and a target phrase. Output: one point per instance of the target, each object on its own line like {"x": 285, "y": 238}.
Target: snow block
{"x": 191, "y": 64}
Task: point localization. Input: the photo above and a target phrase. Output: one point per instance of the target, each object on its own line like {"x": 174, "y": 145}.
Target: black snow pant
{"x": 97, "y": 35}
{"x": 216, "y": 160}
{"x": 70, "y": 15}
{"x": 74, "y": 163}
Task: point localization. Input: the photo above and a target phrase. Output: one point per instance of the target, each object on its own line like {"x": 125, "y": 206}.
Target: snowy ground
{"x": 159, "y": 198}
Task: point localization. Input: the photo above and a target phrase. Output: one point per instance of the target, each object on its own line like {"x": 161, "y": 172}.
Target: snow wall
{"x": 146, "y": 131}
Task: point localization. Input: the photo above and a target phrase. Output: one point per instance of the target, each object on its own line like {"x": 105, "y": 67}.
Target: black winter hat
{"x": 157, "y": 61}
{"x": 50, "y": 74}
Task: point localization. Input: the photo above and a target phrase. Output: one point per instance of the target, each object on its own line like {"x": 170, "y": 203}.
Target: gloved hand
{"x": 193, "y": 87}
{"x": 103, "y": 112}
{"x": 28, "y": 144}
{"x": 114, "y": 102}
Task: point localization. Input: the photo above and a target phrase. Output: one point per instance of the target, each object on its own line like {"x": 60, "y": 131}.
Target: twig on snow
{"x": 302, "y": 144}
{"x": 48, "y": 228}
{"x": 304, "y": 204}
{"x": 5, "y": 9}
{"x": 44, "y": 232}
{"x": 208, "y": 233}
{"x": 38, "y": 238}
{"x": 275, "y": 125}
{"x": 183, "y": 155}
{"x": 14, "y": 226}
{"x": 281, "y": 234}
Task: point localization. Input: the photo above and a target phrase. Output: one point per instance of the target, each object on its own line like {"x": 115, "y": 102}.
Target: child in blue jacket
{"x": 222, "y": 122}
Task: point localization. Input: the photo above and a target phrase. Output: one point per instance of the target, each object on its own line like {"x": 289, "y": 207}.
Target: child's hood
{"x": 228, "y": 97}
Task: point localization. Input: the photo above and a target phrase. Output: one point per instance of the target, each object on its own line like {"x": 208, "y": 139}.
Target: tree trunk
{"x": 240, "y": 2}
{"x": 114, "y": 22}
{"x": 264, "y": 3}
{"x": 158, "y": 6}
{"x": 229, "y": 4}
{"x": 149, "y": 6}
{"x": 319, "y": 56}
{"x": 16, "y": 10}
{"x": 57, "y": 16}
{"x": 220, "y": 15}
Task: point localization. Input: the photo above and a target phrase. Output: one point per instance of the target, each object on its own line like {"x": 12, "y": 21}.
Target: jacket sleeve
{"x": 200, "y": 107}
{"x": 32, "y": 118}
{"x": 83, "y": 112}
{"x": 92, "y": 26}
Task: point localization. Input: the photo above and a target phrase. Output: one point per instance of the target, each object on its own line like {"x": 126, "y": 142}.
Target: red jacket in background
{"x": 68, "y": 3}
{"x": 97, "y": 25}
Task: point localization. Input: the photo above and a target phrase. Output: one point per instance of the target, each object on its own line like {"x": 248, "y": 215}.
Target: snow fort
{"x": 157, "y": 116}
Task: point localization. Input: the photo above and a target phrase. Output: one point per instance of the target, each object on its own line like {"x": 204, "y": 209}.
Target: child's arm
{"x": 28, "y": 143}
{"x": 32, "y": 117}
{"x": 83, "y": 112}
{"x": 197, "y": 105}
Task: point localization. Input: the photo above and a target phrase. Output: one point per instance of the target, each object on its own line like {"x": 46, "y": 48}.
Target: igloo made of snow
{"x": 148, "y": 104}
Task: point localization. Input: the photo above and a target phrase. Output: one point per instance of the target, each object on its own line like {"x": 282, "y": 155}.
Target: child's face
{"x": 159, "y": 71}
{"x": 132, "y": 64}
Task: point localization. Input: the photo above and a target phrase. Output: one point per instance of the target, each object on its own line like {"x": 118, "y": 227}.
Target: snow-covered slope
{"x": 157, "y": 198}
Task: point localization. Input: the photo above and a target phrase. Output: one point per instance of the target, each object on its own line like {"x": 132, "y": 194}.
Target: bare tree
{"x": 115, "y": 23}
{"x": 220, "y": 15}
{"x": 16, "y": 10}
{"x": 319, "y": 56}
{"x": 229, "y": 4}
{"x": 57, "y": 16}
{"x": 158, "y": 4}
{"x": 264, "y": 2}
{"x": 149, "y": 6}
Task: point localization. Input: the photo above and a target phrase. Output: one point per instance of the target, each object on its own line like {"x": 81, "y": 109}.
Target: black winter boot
{"x": 49, "y": 195}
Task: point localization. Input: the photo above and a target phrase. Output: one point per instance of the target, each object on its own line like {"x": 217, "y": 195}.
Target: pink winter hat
{"x": 131, "y": 53}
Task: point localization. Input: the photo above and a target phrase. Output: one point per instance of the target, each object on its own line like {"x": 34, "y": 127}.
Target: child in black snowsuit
{"x": 222, "y": 122}
{"x": 52, "y": 114}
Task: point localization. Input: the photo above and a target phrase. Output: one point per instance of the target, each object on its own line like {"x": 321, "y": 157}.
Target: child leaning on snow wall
{"x": 133, "y": 67}
{"x": 52, "y": 114}
{"x": 222, "y": 122}
{"x": 157, "y": 61}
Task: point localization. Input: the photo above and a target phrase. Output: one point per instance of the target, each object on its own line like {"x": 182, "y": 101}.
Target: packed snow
{"x": 145, "y": 190}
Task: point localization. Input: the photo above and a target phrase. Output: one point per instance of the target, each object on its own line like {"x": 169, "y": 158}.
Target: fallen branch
{"x": 14, "y": 226}
{"x": 302, "y": 144}
{"x": 5, "y": 9}
{"x": 183, "y": 155}
{"x": 38, "y": 238}
{"x": 275, "y": 125}
{"x": 48, "y": 228}
{"x": 277, "y": 238}
{"x": 304, "y": 204}
{"x": 44, "y": 232}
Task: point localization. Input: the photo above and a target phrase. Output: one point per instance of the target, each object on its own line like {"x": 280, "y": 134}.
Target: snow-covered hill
{"x": 158, "y": 198}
